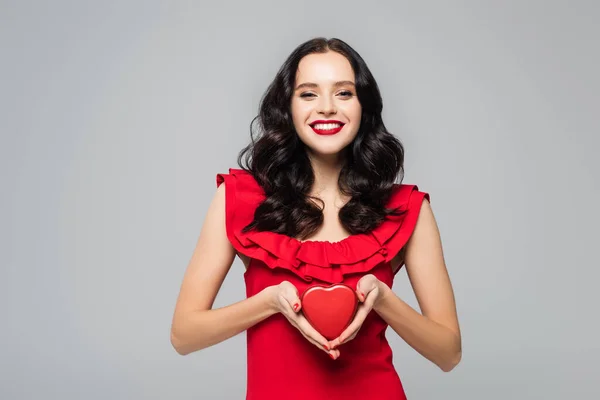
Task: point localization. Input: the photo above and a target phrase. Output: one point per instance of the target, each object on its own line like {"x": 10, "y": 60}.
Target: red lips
{"x": 327, "y": 131}
{"x": 329, "y": 309}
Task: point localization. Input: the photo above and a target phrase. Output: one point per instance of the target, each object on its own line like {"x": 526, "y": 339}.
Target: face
{"x": 325, "y": 109}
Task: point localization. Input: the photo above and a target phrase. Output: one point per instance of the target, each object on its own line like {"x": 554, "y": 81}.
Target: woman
{"x": 315, "y": 203}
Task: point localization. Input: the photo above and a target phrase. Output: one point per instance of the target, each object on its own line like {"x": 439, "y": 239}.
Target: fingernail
{"x": 332, "y": 356}
{"x": 296, "y": 306}
{"x": 326, "y": 347}
{"x": 362, "y": 295}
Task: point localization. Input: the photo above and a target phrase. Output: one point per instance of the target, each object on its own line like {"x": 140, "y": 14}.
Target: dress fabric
{"x": 281, "y": 363}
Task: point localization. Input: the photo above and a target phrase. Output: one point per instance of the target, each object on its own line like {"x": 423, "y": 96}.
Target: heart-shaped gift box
{"x": 329, "y": 309}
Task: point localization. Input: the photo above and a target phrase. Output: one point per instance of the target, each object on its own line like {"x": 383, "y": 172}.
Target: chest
{"x": 331, "y": 230}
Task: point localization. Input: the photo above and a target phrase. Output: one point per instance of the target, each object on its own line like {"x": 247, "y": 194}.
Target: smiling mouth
{"x": 326, "y": 128}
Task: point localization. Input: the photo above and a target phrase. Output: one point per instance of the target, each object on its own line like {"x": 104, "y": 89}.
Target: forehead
{"x": 322, "y": 68}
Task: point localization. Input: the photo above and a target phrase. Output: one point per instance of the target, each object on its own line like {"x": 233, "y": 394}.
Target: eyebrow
{"x": 314, "y": 85}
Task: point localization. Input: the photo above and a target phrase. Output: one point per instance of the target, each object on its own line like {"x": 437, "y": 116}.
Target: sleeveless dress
{"x": 281, "y": 363}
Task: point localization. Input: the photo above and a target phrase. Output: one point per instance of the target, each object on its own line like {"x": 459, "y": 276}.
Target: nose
{"x": 326, "y": 106}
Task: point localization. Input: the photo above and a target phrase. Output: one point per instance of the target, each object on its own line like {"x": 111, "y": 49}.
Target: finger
{"x": 359, "y": 318}
{"x": 290, "y": 295}
{"x": 308, "y": 329}
{"x": 345, "y": 337}
{"x": 288, "y": 311}
{"x": 371, "y": 298}
{"x": 335, "y": 343}
{"x": 362, "y": 296}
{"x": 348, "y": 335}
{"x": 333, "y": 353}
{"x": 365, "y": 285}
{"x": 303, "y": 326}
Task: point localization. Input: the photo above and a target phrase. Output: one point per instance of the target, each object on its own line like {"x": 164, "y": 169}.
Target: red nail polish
{"x": 331, "y": 355}
{"x": 296, "y": 306}
{"x": 326, "y": 347}
{"x": 362, "y": 295}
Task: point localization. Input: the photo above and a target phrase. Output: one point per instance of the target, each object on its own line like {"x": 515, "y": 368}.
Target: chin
{"x": 329, "y": 150}
{"x": 329, "y": 146}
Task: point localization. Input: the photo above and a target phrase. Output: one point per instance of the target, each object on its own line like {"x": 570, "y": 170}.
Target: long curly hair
{"x": 278, "y": 160}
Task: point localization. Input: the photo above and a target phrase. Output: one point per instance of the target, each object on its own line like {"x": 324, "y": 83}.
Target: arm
{"x": 435, "y": 334}
{"x": 195, "y": 325}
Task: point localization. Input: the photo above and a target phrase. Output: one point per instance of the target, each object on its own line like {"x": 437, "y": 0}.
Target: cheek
{"x": 300, "y": 112}
{"x": 354, "y": 112}
{"x": 352, "y": 109}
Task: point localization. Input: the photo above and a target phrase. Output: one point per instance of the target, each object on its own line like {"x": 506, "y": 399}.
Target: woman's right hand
{"x": 285, "y": 300}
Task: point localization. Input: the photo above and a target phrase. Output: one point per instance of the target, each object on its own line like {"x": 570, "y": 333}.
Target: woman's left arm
{"x": 436, "y": 333}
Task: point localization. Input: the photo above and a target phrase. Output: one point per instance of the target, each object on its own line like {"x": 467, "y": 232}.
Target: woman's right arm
{"x": 195, "y": 325}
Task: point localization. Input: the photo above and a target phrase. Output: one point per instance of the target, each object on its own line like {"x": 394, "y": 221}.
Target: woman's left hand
{"x": 369, "y": 290}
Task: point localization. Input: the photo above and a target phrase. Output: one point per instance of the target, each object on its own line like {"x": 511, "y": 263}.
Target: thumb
{"x": 294, "y": 300}
{"x": 364, "y": 286}
{"x": 289, "y": 292}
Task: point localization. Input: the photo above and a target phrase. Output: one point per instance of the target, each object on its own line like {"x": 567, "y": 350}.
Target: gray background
{"x": 116, "y": 116}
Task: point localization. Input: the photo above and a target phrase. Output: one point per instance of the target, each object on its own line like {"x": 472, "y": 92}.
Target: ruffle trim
{"x": 326, "y": 261}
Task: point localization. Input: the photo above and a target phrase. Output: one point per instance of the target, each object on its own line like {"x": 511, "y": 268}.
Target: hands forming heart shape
{"x": 337, "y": 311}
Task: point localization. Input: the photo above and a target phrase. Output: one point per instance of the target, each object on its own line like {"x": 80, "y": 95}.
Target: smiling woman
{"x": 315, "y": 208}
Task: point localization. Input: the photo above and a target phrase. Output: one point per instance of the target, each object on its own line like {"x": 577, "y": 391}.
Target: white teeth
{"x": 326, "y": 126}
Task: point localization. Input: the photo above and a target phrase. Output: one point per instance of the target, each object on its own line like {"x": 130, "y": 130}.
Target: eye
{"x": 306, "y": 95}
{"x": 346, "y": 93}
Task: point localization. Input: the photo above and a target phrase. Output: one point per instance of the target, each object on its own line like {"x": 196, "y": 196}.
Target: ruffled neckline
{"x": 327, "y": 261}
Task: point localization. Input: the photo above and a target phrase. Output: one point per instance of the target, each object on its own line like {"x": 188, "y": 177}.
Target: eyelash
{"x": 345, "y": 93}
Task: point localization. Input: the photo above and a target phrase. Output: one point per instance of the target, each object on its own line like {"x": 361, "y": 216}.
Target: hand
{"x": 285, "y": 300}
{"x": 370, "y": 290}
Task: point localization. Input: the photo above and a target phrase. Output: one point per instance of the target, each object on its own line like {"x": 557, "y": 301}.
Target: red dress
{"x": 282, "y": 364}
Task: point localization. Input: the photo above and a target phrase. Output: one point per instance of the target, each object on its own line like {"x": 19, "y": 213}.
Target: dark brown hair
{"x": 278, "y": 160}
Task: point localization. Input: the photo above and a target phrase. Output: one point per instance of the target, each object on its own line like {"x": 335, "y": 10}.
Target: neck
{"x": 327, "y": 172}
